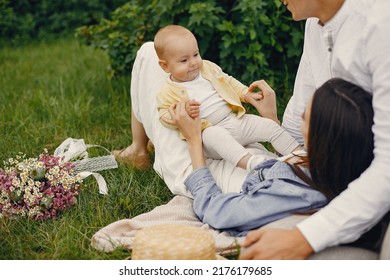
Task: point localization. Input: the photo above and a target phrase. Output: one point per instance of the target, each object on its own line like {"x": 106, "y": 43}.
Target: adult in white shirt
{"x": 347, "y": 39}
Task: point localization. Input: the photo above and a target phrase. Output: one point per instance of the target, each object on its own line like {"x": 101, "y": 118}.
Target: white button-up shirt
{"x": 354, "y": 45}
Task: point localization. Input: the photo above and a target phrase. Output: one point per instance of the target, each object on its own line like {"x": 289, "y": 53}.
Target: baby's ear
{"x": 163, "y": 64}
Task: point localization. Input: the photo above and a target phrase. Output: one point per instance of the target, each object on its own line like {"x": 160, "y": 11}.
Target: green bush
{"x": 24, "y": 20}
{"x": 250, "y": 39}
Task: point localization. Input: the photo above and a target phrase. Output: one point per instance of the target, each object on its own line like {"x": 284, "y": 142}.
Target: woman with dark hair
{"x": 340, "y": 140}
{"x": 336, "y": 126}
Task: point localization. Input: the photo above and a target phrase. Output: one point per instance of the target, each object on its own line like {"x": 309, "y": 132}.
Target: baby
{"x": 214, "y": 96}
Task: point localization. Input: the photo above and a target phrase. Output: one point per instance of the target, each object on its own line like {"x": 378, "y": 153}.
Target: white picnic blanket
{"x": 177, "y": 211}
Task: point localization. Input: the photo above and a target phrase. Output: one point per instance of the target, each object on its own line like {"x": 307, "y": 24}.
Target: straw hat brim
{"x": 217, "y": 257}
{"x": 174, "y": 242}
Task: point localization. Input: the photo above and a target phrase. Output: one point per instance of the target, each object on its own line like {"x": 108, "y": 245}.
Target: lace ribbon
{"x": 75, "y": 150}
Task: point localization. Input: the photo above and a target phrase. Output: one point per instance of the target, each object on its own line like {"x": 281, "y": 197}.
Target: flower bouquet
{"x": 38, "y": 188}
{"x": 41, "y": 188}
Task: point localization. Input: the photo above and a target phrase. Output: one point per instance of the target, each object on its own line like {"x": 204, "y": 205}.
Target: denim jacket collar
{"x": 279, "y": 170}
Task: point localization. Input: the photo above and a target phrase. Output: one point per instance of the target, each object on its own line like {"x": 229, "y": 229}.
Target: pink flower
{"x": 34, "y": 195}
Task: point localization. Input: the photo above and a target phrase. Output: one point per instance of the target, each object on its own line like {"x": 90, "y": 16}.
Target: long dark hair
{"x": 340, "y": 137}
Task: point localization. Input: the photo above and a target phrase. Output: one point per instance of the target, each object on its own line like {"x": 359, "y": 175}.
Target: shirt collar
{"x": 334, "y": 24}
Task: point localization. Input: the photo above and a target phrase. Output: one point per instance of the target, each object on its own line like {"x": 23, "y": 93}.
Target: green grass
{"x": 49, "y": 92}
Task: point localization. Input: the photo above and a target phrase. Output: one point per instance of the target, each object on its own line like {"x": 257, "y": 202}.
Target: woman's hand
{"x": 264, "y": 100}
{"x": 275, "y": 244}
{"x": 191, "y": 130}
{"x": 188, "y": 126}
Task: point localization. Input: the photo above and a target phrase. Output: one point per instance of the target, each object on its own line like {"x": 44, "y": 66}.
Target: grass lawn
{"x": 49, "y": 92}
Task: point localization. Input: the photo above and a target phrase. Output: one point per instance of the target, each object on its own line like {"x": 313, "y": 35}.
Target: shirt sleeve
{"x": 304, "y": 88}
{"x": 351, "y": 214}
{"x": 238, "y": 87}
{"x": 367, "y": 199}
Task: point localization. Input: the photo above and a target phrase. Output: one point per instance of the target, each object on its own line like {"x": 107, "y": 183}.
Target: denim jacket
{"x": 270, "y": 192}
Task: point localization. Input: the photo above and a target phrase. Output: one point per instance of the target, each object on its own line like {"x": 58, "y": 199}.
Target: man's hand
{"x": 275, "y": 244}
{"x": 264, "y": 100}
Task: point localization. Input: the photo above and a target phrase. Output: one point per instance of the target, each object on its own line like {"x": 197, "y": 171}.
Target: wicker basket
{"x": 173, "y": 242}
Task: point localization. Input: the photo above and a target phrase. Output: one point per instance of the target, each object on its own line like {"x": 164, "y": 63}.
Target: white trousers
{"x": 172, "y": 160}
{"x": 226, "y": 140}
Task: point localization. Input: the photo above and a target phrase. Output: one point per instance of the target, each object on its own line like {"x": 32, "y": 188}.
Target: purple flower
{"x": 34, "y": 194}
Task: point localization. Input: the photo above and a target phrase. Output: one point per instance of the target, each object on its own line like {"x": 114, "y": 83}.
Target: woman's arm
{"x": 191, "y": 130}
{"x": 233, "y": 211}
{"x": 259, "y": 203}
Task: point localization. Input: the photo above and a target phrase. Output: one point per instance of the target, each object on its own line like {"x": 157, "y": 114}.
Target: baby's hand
{"x": 192, "y": 108}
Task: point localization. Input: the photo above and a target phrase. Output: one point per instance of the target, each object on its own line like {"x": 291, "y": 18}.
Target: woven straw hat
{"x": 173, "y": 242}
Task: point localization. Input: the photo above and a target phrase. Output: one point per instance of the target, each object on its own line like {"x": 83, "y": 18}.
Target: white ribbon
{"x": 99, "y": 178}
{"x": 76, "y": 150}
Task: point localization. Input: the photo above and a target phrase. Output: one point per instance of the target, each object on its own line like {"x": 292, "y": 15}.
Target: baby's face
{"x": 183, "y": 58}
